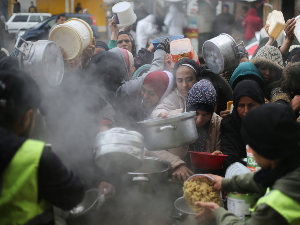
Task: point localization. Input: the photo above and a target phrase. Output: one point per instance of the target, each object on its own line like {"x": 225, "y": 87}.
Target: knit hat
{"x": 101, "y": 44}
{"x": 269, "y": 56}
{"x": 247, "y": 70}
{"x": 280, "y": 135}
{"x": 159, "y": 81}
{"x": 202, "y": 96}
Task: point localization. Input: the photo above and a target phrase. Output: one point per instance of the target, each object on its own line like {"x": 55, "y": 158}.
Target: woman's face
{"x": 245, "y": 104}
{"x": 267, "y": 73}
{"x": 124, "y": 42}
{"x": 150, "y": 98}
{"x": 201, "y": 118}
{"x": 185, "y": 79}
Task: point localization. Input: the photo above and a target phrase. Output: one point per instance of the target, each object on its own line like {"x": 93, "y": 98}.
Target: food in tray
{"x": 200, "y": 189}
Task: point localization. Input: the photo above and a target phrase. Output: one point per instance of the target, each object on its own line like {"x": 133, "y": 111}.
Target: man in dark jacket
{"x": 32, "y": 8}
{"x": 17, "y": 7}
{"x": 224, "y": 22}
{"x": 32, "y": 177}
{"x": 276, "y": 150}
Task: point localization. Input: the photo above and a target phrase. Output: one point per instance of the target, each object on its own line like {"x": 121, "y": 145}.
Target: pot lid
{"x": 172, "y": 118}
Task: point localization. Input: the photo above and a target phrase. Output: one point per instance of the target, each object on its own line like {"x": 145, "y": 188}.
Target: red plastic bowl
{"x": 208, "y": 161}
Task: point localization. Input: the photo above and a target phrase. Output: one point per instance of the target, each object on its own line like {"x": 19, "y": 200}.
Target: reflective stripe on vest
{"x": 284, "y": 205}
{"x": 19, "y": 198}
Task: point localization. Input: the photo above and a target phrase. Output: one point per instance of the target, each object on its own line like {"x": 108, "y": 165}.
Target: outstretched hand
{"x": 207, "y": 214}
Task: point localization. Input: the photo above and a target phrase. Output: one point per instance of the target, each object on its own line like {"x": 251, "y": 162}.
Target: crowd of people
{"x": 115, "y": 85}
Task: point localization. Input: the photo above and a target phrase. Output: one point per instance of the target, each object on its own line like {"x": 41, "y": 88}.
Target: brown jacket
{"x": 176, "y": 155}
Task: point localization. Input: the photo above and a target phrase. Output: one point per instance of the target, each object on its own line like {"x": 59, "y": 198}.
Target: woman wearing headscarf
{"x": 186, "y": 75}
{"x": 201, "y": 98}
{"x": 247, "y": 95}
{"x": 121, "y": 39}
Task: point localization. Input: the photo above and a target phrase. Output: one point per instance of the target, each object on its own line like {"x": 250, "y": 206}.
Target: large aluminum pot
{"x": 221, "y": 53}
{"x": 43, "y": 60}
{"x": 151, "y": 176}
{"x": 119, "y": 150}
{"x": 184, "y": 214}
{"x": 177, "y": 130}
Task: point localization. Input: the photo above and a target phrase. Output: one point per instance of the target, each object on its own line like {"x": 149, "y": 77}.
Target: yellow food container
{"x": 276, "y": 22}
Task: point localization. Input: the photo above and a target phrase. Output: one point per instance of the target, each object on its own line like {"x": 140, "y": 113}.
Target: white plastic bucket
{"x": 297, "y": 28}
{"x": 73, "y": 37}
{"x": 123, "y": 14}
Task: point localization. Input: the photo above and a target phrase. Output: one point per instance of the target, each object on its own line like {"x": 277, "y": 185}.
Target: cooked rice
{"x": 200, "y": 189}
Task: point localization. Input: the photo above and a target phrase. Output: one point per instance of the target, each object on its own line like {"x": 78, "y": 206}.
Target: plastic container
{"x": 297, "y": 28}
{"x": 123, "y": 14}
{"x": 73, "y": 37}
{"x": 204, "y": 160}
{"x": 276, "y": 22}
{"x": 251, "y": 163}
{"x": 239, "y": 204}
{"x": 182, "y": 48}
{"x": 236, "y": 169}
{"x": 156, "y": 41}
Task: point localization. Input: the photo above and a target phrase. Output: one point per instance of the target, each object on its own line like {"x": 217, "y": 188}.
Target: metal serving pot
{"x": 221, "y": 53}
{"x": 43, "y": 60}
{"x": 151, "y": 176}
{"x": 119, "y": 150}
{"x": 177, "y": 130}
{"x": 184, "y": 215}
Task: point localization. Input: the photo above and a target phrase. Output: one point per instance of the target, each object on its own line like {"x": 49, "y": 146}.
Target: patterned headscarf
{"x": 202, "y": 96}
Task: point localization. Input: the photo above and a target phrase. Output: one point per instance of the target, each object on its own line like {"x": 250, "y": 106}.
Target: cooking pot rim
{"x": 153, "y": 158}
{"x": 179, "y": 199}
{"x": 171, "y": 119}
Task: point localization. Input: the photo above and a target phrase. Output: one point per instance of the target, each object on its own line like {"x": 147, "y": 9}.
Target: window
{"x": 45, "y": 17}
{"x": 87, "y": 19}
{"x": 52, "y": 22}
{"x": 22, "y": 18}
{"x": 35, "y": 18}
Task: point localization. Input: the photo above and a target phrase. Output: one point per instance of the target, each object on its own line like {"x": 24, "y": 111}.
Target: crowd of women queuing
{"x": 115, "y": 86}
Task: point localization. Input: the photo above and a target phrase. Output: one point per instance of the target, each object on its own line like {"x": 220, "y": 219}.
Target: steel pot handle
{"x": 176, "y": 216}
{"x": 141, "y": 179}
{"x": 17, "y": 43}
{"x": 166, "y": 127}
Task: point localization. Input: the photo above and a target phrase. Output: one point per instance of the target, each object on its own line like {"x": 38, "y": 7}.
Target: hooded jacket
{"x": 252, "y": 24}
{"x": 289, "y": 185}
{"x": 175, "y": 21}
{"x": 144, "y": 29}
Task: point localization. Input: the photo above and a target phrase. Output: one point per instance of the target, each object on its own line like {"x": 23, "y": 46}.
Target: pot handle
{"x": 166, "y": 127}
{"x": 17, "y": 43}
{"x": 141, "y": 179}
{"x": 176, "y": 216}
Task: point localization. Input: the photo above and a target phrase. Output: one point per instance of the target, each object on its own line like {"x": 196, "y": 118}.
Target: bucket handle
{"x": 17, "y": 43}
{"x": 141, "y": 179}
{"x": 235, "y": 48}
{"x": 166, "y": 127}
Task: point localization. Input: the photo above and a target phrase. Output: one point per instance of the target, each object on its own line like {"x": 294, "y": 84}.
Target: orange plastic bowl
{"x": 208, "y": 161}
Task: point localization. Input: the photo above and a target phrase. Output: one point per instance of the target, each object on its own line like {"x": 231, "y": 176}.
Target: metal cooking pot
{"x": 119, "y": 150}
{"x": 43, "y": 60}
{"x": 221, "y": 53}
{"x": 177, "y": 130}
{"x": 184, "y": 214}
{"x": 151, "y": 176}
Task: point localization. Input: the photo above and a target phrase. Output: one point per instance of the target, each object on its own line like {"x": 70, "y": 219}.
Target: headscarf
{"x": 159, "y": 81}
{"x": 231, "y": 124}
{"x": 143, "y": 57}
{"x": 140, "y": 71}
{"x": 248, "y": 88}
{"x": 124, "y": 56}
{"x": 132, "y": 42}
{"x": 106, "y": 72}
{"x": 188, "y": 63}
{"x": 202, "y": 96}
